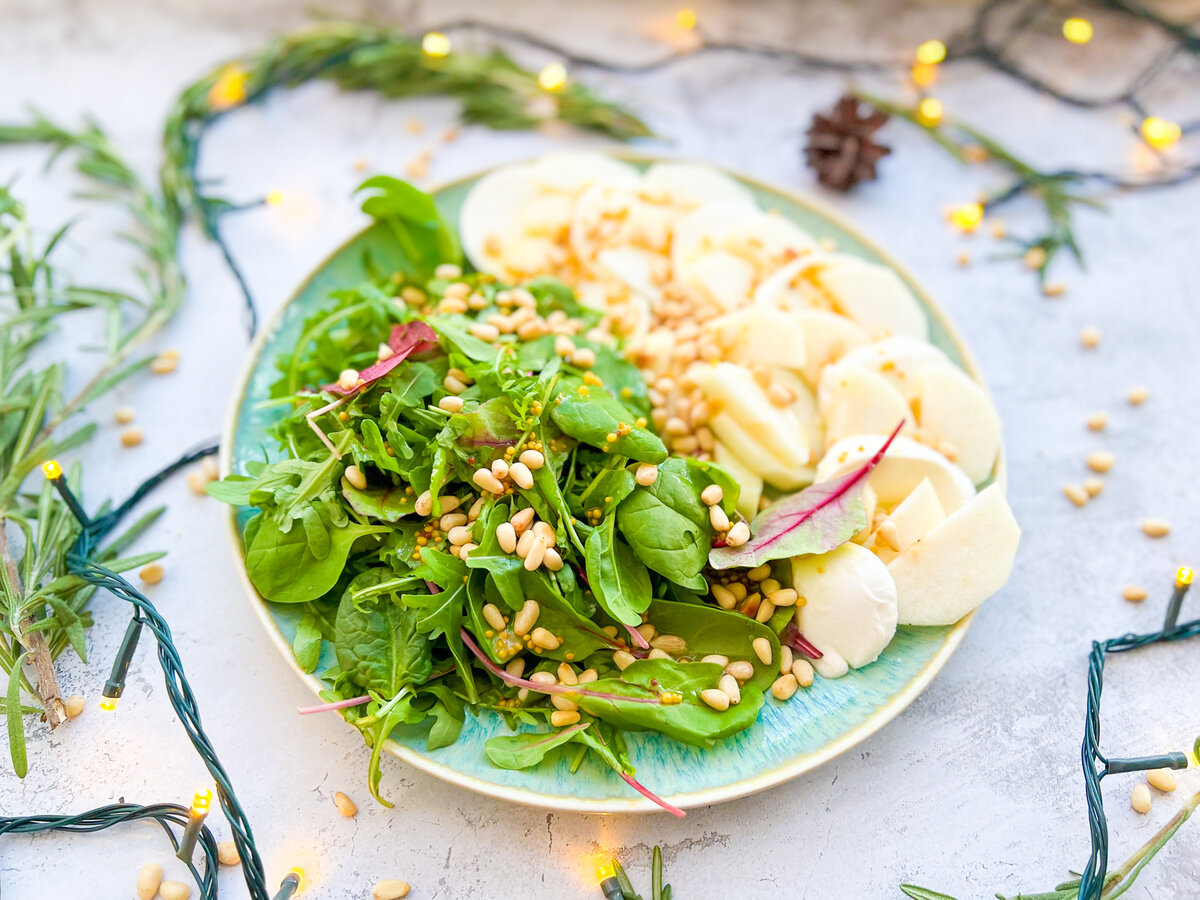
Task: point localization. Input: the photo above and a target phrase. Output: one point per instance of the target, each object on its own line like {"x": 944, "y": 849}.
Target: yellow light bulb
{"x": 299, "y": 873}
{"x": 229, "y": 90}
{"x": 1183, "y": 576}
{"x": 1161, "y": 134}
{"x": 201, "y": 802}
{"x": 435, "y": 44}
{"x": 108, "y": 704}
{"x": 274, "y": 198}
{"x": 931, "y": 52}
{"x": 967, "y": 217}
{"x": 686, "y": 19}
{"x": 52, "y": 470}
{"x": 929, "y": 111}
{"x": 923, "y": 74}
{"x": 553, "y": 77}
{"x": 1077, "y": 31}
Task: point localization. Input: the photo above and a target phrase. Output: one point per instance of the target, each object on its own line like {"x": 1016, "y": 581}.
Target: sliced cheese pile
{"x": 784, "y": 361}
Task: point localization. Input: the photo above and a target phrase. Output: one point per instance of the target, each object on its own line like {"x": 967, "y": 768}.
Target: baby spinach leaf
{"x": 617, "y": 577}
{"x": 284, "y": 569}
{"x": 524, "y": 751}
{"x": 667, "y": 526}
{"x": 385, "y": 504}
{"x": 425, "y": 239}
{"x": 306, "y": 645}
{"x": 379, "y": 647}
{"x": 710, "y": 630}
{"x": 690, "y": 720}
{"x": 593, "y": 416}
{"x": 607, "y": 490}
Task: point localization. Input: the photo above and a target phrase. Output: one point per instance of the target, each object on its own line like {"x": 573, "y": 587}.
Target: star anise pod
{"x": 841, "y": 144}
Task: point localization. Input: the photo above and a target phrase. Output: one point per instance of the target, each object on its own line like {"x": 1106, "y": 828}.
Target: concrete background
{"x": 975, "y": 789}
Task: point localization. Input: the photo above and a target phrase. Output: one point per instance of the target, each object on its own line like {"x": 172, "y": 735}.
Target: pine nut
{"x": 451, "y": 404}
{"x": 766, "y": 609}
{"x": 785, "y": 659}
{"x": 526, "y": 617}
{"x": 493, "y": 616}
{"x": 1090, "y": 336}
{"x": 712, "y": 495}
{"x": 347, "y": 378}
{"x": 729, "y": 687}
{"x": 544, "y": 639}
{"x": 499, "y": 468}
{"x": 738, "y": 590}
{"x": 544, "y": 678}
{"x": 521, "y": 476}
{"x": 484, "y": 332}
{"x": 524, "y": 543}
{"x": 452, "y": 520}
{"x": 1093, "y": 486}
{"x": 889, "y": 534}
{"x": 779, "y": 395}
{"x": 533, "y": 459}
{"x": 762, "y": 649}
{"x": 558, "y": 701}
{"x": 717, "y": 699}
{"x": 459, "y": 534}
{"x": 424, "y": 504}
{"x": 1140, "y": 799}
{"x": 566, "y": 675}
{"x": 345, "y": 805}
{"x": 74, "y": 705}
{"x": 671, "y": 643}
{"x": 552, "y": 560}
{"x": 718, "y": 519}
{"x": 1138, "y": 396}
{"x": 783, "y": 597}
{"x": 760, "y": 573}
{"x": 1134, "y": 594}
{"x": 647, "y": 631}
{"x": 506, "y": 535}
{"x": 546, "y": 532}
{"x": 123, "y": 415}
{"x": 464, "y": 549}
{"x": 174, "y": 890}
{"x": 741, "y": 669}
{"x": 717, "y": 658}
{"x": 148, "y": 881}
{"x": 521, "y": 520}
{"x": 560, "y": 718}
{"x": 151, "y": 574}
{"x": 622, "y": 658}
{"x": 446, "y": 272}
{"x": 390, "y": 888}
{"x": 1075, "y": 494}
{"x": 516, "y": 667}
{"x": 131, "y": 437}
{"x": 646, "y": 474}
{"x": 1100, "y": 460}
{"x": 484, "y": 479}
{"x": 587, "y": 676}
{"x": 1097, "y": 421}
{"x": 724, "y": 597}
{"x": 453, "y": 385}
{"x": 803, "y": 671}
{"x": 197, "y": 483}
{"x": 784, "y": 687}
{"x": 1161, "y": 779}
{"x": 563, "y": 346}
{"x": 738, "y": 534}
{"x": 537, "y": 552}
{"x": 584, "y": 357}
{"x": 227, "y": 853}
{"x": 1156, "y": 527}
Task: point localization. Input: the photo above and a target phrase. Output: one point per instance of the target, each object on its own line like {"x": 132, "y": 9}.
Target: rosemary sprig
{"x": 1056, "y": 191}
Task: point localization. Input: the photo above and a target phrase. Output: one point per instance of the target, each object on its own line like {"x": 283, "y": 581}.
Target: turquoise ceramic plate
{"x": 788, "y": 739}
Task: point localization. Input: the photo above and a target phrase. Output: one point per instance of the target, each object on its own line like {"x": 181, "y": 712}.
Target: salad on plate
{"x": 647, "y": 458}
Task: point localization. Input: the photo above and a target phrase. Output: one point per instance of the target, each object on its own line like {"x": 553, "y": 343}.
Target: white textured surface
{"x": 975, "y": 789}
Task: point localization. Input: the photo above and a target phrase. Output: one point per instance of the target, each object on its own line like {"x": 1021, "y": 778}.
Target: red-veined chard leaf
{"x": 815, "y": 520}
{"x": 406, "y": 339}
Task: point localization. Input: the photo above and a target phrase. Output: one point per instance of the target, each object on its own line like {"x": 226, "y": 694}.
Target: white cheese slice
{"x": 955, "y": 409}
{"x": 858, "y": 401}
{"x": 750, "y": 482}
{"x": 756, "y": 335}
{"x": 905, "y": 465}
{"x": 917, "y": 515}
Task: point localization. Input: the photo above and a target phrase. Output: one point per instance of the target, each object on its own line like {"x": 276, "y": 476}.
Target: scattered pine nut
{"x": 803, "y": 671}
{"x": 131, "y": 437}
{"x": 524, "y": 543}
{"x": 560, "y": 718}
{"x": 766, "y": 609}
{"x": 453, "y": 385}
{"x": 1156, "y": 528}
{"x": 784, "y": 687}
{"x": 533, "y": 459}
{"x": 889, "y": 534}
{"x": 716, "y": 658}
{"x": 558, "y": 701}
{"x": 1161, "y": 779}
{"x": 1138, "y": 396}
{"x": 718, "y": 519}
{"x": 345, "y": 805}
{"x": 1093, "y": 486}
{"x": 521, "y": 476}
{"x": 729, "y": 687}
{"x": 197, "y": 483}
{"x": 533, "y": 559}
{"x": 506, "y": 535}
{"x": 487, "y": 481}
{"x": 1134, "y": 594}
{"x": 622, "y": 658}
{"x": 738, "y": 534}
{"x": 544, "y": 639}
{"x": 1097, "y": 420}
{"x": 762, "y": 649}
{"x": 355, "y": 476}
{"x": 148, "y": 881}
{"x": 963, "y": 258}
{"x": 499, "y": 468}
{"x": 74, "y": 705}
{"x": 1140, "y": 799}
{"x": 492, "y": 615}
{"x": 522, "y": 520}
{"x": 174, "y": 890}
{"x": 151, "y": 574}
{"x": 227, "y": 853}
{"x": 1053, "y": 289}
{"x": 1075, "y": 494}
{"x": 584, "y": 358}
{"x": 725, "y": 598}
{"x": 741, "y": 669}
{"x": 390, "y": 889}
{"x": 413, "y": 125}
{"x": 123, "y": 415}
{"x": 1035, "y": 257}
{"x": 552, "y": 560}
{"x": 424, "y": 504}
{"x": 786, "y": 658}
{"x": 646, "y": 475}
{"x": 712, "y": 495}
{"x": 999, "y": 229}
{"x": 715, "y": 698}
{"x": 348, "y": 378}
{"x": 1090, "y": 337}
{"x": 1100, "y": 460}
{"x": 451, "y": 403}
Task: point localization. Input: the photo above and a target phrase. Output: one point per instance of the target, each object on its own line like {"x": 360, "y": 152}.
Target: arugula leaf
{"x": 425, "y": 239}
{"x": 616, "y": 576}
{"x": 386, "y": 504}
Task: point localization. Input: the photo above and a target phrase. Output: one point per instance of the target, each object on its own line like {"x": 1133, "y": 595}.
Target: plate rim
{"x": 745, "y": 787}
